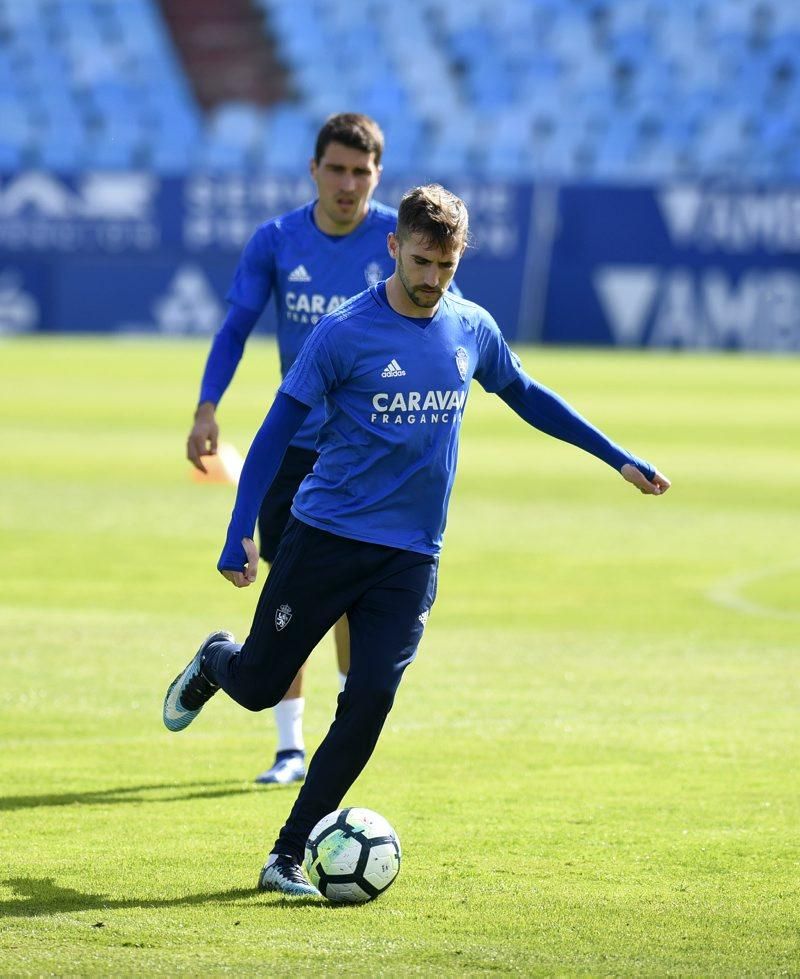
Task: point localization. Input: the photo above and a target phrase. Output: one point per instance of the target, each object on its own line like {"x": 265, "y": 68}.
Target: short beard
{"x": 410, "y": 290}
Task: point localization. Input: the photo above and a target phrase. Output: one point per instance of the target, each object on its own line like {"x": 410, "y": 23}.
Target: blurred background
{"x": 632, "y": 166}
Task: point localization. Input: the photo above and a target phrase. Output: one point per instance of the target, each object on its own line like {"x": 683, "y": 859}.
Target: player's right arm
{"x": 320, "y": 366}
{"x": 248, "y": 295}
{"x": 239, "y": 559}
{"x": 223, "y": 359}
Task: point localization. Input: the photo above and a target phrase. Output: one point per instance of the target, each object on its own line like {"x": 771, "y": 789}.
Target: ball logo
{"x": 462, "y": 362}
{"x": 283, "y": 616}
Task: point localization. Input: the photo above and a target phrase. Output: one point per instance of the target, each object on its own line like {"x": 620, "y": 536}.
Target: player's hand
{"x": 246, "y": 577}
{"x": 655, "y": 487}
{"x": 203, "y": 437}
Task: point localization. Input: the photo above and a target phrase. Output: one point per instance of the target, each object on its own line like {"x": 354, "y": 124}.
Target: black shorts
{"x": 277, "y": 505}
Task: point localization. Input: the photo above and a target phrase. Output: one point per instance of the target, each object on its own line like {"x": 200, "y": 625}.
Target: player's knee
{"x": 368, "y": 701}
{"x": 261, "y": 698}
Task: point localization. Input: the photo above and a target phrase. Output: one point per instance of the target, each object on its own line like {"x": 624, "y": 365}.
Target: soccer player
{"x": 312, "y": 260}
{"x": 393, "y": 367}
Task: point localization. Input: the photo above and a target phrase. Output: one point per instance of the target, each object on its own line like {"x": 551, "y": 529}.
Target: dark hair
{"x": 351, "y": 129}
{"x": 439, "y": 217}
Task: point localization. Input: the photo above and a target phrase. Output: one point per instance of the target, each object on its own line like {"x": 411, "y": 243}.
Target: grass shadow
{"x": 126, "y": 795}
{"x": 36, "y": 896}
{"x": 42, "y": 896}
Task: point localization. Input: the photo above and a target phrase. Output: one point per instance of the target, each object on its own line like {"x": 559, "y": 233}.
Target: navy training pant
{"x": 276, "y": 507}
{"x": 316, "y": 578}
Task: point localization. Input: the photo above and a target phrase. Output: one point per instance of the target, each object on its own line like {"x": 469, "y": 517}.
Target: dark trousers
{"x": 316, "y": 578}
{"x": 276, "y": 508}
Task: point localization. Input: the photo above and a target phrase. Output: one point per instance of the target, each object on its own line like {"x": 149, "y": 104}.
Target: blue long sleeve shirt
{"x": 388, "y": 447}
{"x": 307, "y": 274}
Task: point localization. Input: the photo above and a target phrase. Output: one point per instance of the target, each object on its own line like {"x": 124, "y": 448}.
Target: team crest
{"x": 283, "y": 616}
{"x": 462, "y": 362}
{"x": 373, "y": 273}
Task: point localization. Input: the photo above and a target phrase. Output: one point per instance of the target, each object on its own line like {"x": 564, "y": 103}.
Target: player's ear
{"x": 312, "y": 168}
{"x": 392, "y": 244}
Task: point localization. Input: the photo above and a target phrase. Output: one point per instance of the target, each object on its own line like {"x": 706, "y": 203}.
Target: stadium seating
{"x": 603, "y": 90}
{"x": 96, "y": 84}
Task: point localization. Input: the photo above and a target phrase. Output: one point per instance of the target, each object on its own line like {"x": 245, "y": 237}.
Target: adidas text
{"x": 393, "y": 369}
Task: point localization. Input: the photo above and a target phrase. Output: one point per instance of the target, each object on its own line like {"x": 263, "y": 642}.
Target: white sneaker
{"x": 289, "y": 766}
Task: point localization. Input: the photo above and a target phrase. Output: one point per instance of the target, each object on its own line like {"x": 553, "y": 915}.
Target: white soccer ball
{"x": 352, "y": 855}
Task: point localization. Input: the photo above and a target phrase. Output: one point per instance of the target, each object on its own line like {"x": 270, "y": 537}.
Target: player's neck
{"x": 333, "y": 228}
{"x": 397, "y": 297}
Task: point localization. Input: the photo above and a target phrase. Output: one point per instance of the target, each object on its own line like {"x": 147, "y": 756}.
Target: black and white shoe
{"x": 284, "y": 874}
{"x": 191, "y": 690}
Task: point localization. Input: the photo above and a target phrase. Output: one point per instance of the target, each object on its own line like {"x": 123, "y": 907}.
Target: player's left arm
{"x": 550, "y": 413}
{"x": 499, "y": 371}
{"x": 655, "y": 486}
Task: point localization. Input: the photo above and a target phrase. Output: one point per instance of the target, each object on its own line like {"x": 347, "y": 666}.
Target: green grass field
{"x": 592, "y": 765}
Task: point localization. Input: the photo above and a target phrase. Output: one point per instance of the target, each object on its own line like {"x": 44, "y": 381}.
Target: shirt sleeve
{"x": 254, "y": 278}
{"x": 260, "y": 468}
{"x": 321, "y": 365}
{"x": 545, "y": 410}
{"x": 226, "y": 351}
{"x": 497, "y": 366}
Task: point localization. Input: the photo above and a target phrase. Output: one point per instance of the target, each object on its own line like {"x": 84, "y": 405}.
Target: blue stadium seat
{"x": 287, "y": 141}
{"x": 592, "y": 84}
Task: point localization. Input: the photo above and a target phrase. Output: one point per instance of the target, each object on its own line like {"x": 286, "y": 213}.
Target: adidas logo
{"x": 393, "y": 369}
{"x": 299, "y": 274}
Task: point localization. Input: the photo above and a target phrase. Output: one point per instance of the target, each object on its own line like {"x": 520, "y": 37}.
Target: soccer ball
{"x": 352, "y": 855}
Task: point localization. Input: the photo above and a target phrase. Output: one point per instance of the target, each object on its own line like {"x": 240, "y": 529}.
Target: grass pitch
{"x": 592, "y": 765}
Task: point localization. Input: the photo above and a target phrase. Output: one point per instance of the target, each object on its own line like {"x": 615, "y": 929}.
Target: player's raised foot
{"x": 190, "y": 689}
{"x": 284, "y": 874}
{"x": 289, "y": 766}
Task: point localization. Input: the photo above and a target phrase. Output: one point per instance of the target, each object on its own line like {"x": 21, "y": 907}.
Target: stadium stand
{"x": 600, "y": 90}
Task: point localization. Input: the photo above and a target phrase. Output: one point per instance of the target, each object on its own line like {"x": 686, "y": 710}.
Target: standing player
{"x": 312, "y": 260}
{"x": 393, "y": 366}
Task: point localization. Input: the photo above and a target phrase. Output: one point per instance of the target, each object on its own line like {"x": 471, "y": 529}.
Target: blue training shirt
{"x": 394, "y": 390}
{"x": 310, "y": 274}
{"x": 368, "y": 463}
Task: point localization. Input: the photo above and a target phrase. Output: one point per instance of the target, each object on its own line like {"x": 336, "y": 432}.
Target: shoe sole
{"x": 181, "y": 723}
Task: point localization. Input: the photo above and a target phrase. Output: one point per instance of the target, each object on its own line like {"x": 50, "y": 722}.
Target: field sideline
{"x": 592, "y": 766}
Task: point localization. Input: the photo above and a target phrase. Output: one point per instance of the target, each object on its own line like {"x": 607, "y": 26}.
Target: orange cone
{"x": 224, "y": 467}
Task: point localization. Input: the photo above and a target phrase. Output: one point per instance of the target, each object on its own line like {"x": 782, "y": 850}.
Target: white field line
{"x": 727, "y": 592}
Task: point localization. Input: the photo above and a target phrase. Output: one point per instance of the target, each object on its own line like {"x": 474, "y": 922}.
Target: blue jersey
{"x": 310, "y": 274}
{"x": 394, "y": 390}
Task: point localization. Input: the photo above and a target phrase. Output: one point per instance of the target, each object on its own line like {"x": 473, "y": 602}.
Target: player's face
{"x": 425, "y": 271}
{"x": 346, "y": 180}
